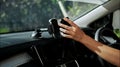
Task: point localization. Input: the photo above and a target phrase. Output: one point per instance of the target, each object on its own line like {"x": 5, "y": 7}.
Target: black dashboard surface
{"x": 15, "y": 43}
{"x": 11, "y": 39}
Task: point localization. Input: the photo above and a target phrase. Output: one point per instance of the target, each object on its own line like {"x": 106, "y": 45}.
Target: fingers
{"x": 66, "y": 35}
{"x": 65, "y": 31}
{"x": 64, "y": 26}
{"x": 69, "y": 21}
{"x": 68, "y": 31}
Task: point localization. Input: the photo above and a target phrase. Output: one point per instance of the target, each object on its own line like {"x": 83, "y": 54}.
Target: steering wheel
{"x": 106, "y": 36}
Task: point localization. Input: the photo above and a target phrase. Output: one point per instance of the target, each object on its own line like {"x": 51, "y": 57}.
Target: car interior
{"x": 44, "y": 46}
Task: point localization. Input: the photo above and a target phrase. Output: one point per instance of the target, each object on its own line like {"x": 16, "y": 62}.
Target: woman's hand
{"x": 109, "y": 54}
{"x": 72, "y": 31}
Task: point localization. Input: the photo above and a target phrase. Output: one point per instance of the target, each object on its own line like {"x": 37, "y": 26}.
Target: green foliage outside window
{"x": 24, "y": 15}
{"x": 117, "y": 32}
{"x": 21, "y": 15}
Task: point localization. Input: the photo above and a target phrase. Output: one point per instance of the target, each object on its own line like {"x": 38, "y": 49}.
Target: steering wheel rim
{"x": 106, "y": 36}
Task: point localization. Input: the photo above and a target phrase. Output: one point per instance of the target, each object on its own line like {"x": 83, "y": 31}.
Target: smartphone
{"x": 64, "y": 22}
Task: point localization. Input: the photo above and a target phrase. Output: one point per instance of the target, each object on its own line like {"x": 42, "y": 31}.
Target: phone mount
{"x": 53, "y": 28}
{"x": 60, "y": 51}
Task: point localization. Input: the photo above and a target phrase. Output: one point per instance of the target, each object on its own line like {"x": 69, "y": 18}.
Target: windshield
{"x": 27, "y": 15}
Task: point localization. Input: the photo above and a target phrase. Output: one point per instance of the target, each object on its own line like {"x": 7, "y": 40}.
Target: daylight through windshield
{"x": 25, "y": 15}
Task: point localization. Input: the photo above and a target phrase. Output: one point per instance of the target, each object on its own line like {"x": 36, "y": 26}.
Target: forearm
{"x": 75, "y": 33}
{"x": 102, "y": 50}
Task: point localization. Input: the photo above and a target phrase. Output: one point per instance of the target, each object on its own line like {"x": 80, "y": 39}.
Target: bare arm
{"x": 107, "y": 53}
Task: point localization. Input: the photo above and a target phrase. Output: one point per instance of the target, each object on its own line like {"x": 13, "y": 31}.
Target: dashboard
{"x": 21, "y": 49}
